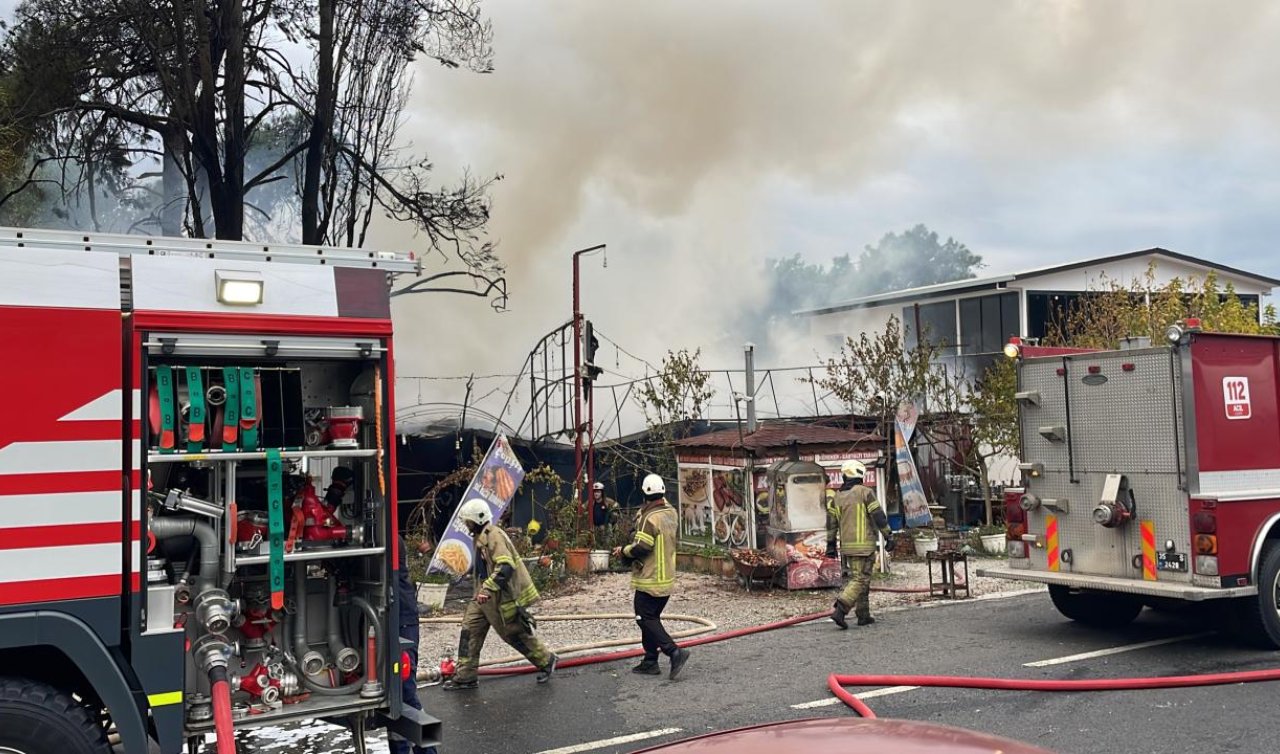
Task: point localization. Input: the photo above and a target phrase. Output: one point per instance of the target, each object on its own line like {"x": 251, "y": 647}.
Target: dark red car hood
{"x": 847, "y": 735}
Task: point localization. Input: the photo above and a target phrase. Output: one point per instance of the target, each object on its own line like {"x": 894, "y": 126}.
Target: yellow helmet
{"x": 854, "y": 470}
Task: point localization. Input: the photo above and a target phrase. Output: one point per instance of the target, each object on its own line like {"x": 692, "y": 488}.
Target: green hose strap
{"x": 168, "y": 417}
{"x": 231, "y": 409}
{"x": 275, "y": 525}
{"x": 248, "y": 410}
{"x": 196, "y": 418}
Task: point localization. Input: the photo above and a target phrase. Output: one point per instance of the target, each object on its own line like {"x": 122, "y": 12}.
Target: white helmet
{"x": 475, "y": 511}
{"x": 653, "y": 485}
{"x": 598, "y": 486}
{"x": 853, "y": 470}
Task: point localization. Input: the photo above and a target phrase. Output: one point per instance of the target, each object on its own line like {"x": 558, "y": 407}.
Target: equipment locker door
{"x": 62, "y": 448}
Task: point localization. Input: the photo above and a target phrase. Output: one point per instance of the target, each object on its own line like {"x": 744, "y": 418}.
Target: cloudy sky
{"x": 697, "y": 139}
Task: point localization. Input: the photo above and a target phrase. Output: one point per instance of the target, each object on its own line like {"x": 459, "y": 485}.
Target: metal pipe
{"x": 345, "y": 658}
{"x": 309, "y": 662}
{"x": 750, "y": 353}
{"x": 166, "y": 527}
{"x": 372, "y": 616}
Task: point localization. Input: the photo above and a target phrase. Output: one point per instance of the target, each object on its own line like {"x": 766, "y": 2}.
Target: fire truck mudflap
{"x": 1152, "y": 475}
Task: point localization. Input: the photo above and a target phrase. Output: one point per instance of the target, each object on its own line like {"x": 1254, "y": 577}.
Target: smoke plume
{"x": 690, "y": 137}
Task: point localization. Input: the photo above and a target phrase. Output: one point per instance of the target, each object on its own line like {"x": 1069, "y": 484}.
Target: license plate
{"x": 1171, "y": 561}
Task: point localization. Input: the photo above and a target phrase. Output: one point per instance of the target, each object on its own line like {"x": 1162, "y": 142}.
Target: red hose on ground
{"x": 221, "y": 692}
{"x": 627, "y": 654}
{"x": 837, "y": 683}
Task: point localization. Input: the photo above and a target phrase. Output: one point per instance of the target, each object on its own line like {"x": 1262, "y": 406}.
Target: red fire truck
{"x": 197, "y": 492}
{"x": 1152, "y": 478}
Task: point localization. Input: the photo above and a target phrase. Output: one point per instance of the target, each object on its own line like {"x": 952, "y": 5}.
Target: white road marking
{"x": 1113, "y": 650}
{"x": 864, "y": 695}
{"x": 593, "y": 745}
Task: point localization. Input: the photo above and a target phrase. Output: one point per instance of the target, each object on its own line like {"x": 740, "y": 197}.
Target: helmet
{"x": 475, "y": 511}
{"x": 853, "y": 470}
{"x": 598, "y": 486}
{"x": 653, "y": 485}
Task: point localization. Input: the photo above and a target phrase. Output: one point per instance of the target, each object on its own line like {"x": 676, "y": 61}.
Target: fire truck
{"x": 1151, "y": 477}
{"x": 198, "y": 530}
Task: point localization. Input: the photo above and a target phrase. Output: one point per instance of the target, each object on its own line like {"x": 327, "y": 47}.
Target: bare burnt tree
{"x": 212, "y": 92}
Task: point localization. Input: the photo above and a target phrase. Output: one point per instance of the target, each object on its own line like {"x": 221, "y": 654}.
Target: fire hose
{"x": 222, "y": 725}
{"x": 486, "y": 669}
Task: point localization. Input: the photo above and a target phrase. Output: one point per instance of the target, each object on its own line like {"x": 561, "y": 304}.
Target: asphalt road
{"x": 763, "y": 678}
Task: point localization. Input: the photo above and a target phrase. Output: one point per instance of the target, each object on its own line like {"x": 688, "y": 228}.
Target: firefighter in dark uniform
{"x": 855, "y": 519}
{"x": 652, "y": 555}
{"x": 407, "y": 598}
{"x": 501, "y": 601}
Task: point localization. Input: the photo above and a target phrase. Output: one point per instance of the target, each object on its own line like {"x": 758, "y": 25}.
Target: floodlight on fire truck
{"x": 1013, "y": 348}
{"x": 239, "y": 287}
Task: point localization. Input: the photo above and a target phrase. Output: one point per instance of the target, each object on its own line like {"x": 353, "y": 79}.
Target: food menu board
{"x": 732, "y": 524}
{"x": 495, "y": 483}
{"x": 696, "y": 518}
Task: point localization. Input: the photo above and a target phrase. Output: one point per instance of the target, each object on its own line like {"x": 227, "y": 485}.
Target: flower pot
{"x": 994, "y": 544}
{"x": 577, "y": 560}
{"x": 701, "y": 564}
{"x": 599, "y": 561}
{"x": 432, "y": 595}
{"x": 684, "y": 561}
{"x": 925, "y": 545}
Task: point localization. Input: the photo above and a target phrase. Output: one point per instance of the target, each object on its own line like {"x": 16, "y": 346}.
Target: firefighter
{"x": 652, "y": 555}
{"x": 407, "y": 598}
{"x": 604, "y": 511}
{"x": 855, "y": 517}
{"x": 501, "y": 601}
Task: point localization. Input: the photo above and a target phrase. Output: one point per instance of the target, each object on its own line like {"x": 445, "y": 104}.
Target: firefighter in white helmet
{"x": 501, "y": 601}
{"x": 856, "y": 517}
{"x": 604, "y": 511}
{"x": 652, "y": 555}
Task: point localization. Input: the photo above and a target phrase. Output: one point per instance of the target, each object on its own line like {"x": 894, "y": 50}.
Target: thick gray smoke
{"x": 678, "y": 133}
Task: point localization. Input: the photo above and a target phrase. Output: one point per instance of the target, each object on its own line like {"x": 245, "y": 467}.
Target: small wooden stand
{"x": 946, "y": 585}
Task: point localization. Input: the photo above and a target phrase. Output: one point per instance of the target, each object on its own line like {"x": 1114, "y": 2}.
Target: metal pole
{"x": 577, "y": 379}
{"x": 751, "y": 388}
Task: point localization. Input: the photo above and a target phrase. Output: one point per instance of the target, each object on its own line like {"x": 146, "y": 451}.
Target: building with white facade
{"x": 976, "y": 317}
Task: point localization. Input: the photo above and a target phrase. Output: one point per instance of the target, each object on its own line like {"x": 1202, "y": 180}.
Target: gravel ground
{"x": 723, "y": 601}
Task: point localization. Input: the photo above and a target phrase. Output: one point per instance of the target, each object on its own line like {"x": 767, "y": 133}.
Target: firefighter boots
{"x": 548, "y": 670}
{"x": 647, "y": 667}
{"x": 838, "y": 612}
{"x": 678, "y": 660}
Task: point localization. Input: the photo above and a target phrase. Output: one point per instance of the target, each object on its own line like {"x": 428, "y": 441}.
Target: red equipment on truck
{"x": 167, "y": 567}
{"x": 1152, "y": 476}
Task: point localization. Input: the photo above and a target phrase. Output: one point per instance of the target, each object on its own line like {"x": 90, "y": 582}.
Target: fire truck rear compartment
{"x": 1122, "y": 426}
{"x": 321, "y": 651}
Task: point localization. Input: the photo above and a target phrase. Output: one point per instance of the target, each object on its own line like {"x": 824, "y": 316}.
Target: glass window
{"x": 937, "y": 321}
{"x": 970, "y": 324}
{"x": 990, "y": 324}
{"x": 1010, "y": 318}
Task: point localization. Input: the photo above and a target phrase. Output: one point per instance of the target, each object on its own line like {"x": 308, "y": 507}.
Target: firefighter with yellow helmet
{"x": 855, "y": 518}
{"x": 501, "y": 601}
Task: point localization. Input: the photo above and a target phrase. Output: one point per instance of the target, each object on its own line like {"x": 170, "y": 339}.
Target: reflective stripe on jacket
{"x": 494, "y": 546}
{"x": 852, "y": 512}
{"x": 654, "y": 570}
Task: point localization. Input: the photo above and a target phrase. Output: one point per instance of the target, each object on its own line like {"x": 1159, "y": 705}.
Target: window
{"x": 987, "y": 323}
{"x": 937, "y": 321}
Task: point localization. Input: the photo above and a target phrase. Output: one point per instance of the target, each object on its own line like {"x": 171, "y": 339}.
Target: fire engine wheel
{"x": 1097, "y": 609}
{"x": 36, "y": 718}
{"x": 1256, "y": 620}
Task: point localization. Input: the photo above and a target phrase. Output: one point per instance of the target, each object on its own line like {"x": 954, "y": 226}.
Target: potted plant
{"x": 432, "y": 589}
{"x": 577, "y": 556}
{"x": 993, "y": 539}
{"x": 925, "y": 540}
{"x": 684, "y": 560}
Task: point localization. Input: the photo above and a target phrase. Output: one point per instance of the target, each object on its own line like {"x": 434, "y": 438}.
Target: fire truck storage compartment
{"x": 1101, "y": 416}
{"x": 291, "y": 425}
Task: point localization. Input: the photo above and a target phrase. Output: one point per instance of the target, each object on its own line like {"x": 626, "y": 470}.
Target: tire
{"x": 36, "y": 718}
{"x": 1256, "y": 620}
{"x": 1096, "y": 609}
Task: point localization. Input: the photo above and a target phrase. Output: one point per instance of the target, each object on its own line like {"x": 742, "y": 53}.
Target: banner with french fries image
{"x": 495, "y": 482}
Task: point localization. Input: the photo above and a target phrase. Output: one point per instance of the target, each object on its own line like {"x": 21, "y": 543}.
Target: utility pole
{"x": 577, "y": 379}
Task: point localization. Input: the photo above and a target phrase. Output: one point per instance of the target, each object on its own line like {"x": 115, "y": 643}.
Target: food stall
{"x": 724, "y": 489}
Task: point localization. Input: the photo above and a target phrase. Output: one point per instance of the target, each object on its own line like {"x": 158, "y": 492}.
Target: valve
{"x": 1116, "y": 507}
{"x": 215, "y": 610}
{"x": 259, "y": 684}
{"x": 319, "y": 521}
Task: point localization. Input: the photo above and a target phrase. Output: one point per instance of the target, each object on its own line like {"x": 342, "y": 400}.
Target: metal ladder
{"x": 208, "y": 248}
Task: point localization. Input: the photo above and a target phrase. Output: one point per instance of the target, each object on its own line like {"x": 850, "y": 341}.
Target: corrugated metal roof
{"x": 778, "y": 437}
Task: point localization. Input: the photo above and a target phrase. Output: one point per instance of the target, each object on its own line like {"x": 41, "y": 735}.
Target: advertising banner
{"x": 495, "y": 483}
{"x": 915, "y": 506}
